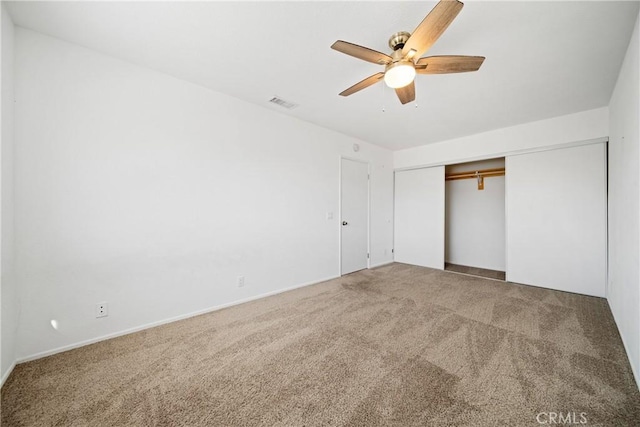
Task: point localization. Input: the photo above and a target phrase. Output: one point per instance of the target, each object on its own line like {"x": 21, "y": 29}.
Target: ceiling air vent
{"x": 281, "y": 102}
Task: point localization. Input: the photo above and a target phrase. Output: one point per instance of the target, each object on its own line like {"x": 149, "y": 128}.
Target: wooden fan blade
{"x": 448, "y": 64}
{"x": 407, "y": 93}
{"x": 361, "y": 52}
{"x": 432, "y": 27}
{"x": 362, "y": 84}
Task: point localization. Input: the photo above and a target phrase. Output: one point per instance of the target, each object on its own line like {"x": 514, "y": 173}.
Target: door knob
{"x": 344, "y": 222}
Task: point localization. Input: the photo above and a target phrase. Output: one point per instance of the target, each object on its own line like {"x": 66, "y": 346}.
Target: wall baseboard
{"x": 161, "y": 322}
{"x": 626, "y": 348}
{"x": 6, "y": 374}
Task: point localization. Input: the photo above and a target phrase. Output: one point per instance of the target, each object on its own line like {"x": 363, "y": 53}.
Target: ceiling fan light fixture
{"x": 402, "y": 64}
{"x": 399, "y": 74}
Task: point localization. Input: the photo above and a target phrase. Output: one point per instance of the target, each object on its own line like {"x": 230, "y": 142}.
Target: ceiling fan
{"x": 403, "y": 64}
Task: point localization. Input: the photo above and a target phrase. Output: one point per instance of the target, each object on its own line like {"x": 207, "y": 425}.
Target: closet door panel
{"x": 556, "y": 219}
{"x": 419, "y": 217}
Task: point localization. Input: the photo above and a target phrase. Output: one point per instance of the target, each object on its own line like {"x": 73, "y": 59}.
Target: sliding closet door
{"x": 419, "y": 217}
{"x": 556, "y": 219}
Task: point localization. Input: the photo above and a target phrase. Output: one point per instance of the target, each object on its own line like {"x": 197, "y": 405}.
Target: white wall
{"x": 154, "y": 194}
{"x": 475, "y": 219}
{"x": 624, "y": 195}
{"x": 9, "y": 294}
{"x": 576, "y": 127}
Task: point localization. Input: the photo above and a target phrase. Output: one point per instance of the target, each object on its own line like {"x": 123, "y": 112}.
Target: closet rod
{"x": 485, "y": 173}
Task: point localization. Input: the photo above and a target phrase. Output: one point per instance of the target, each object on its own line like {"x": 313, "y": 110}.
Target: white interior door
{"x": 354, "y": 212}
{"x": 419, "y": 217}
{"x": 556, "y": 219}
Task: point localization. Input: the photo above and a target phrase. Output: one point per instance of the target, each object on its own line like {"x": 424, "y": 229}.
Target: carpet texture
{"x": 475, "y": 271}
{"x": 398, "y": 345}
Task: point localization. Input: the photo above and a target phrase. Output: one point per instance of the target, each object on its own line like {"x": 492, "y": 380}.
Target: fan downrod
{"x": 397, "y": 40}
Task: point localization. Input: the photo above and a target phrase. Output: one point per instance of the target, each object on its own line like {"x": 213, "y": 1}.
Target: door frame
{"x": 340, "y": 210}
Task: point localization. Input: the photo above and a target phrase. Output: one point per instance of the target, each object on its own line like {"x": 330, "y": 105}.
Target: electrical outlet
{"x": 102, "y": 309}
{"x": 240, "y": 281}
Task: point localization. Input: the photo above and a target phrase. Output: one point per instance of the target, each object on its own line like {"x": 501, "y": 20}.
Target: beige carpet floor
{"x": 397, "y": 346}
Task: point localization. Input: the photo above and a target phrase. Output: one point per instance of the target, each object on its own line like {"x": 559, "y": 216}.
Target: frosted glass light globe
{"x": 399, "y": 74}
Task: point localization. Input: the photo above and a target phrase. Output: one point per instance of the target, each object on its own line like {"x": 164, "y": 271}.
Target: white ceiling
{"x": 544, "y": 59}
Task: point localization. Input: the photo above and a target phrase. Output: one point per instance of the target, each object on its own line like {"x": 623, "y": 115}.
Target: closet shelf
{"x": 485, "y": 173}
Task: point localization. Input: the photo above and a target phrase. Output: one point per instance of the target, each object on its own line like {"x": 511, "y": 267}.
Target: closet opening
{"x": 475, "y": 218}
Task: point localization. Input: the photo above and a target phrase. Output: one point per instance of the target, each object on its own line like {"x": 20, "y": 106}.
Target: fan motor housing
{"x": 397, "y": 40}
